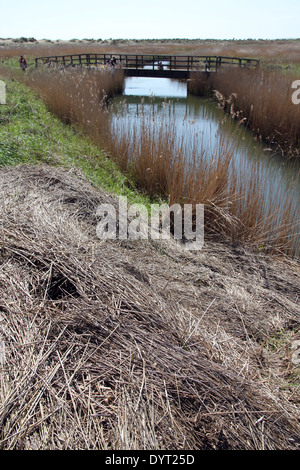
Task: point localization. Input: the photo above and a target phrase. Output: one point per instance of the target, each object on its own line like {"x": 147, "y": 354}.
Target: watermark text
{"x": 296, "y": 94}
{"x": 184, "y": 223}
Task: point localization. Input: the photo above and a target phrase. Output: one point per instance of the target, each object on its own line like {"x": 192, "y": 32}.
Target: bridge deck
{"x": 170, "y": 66}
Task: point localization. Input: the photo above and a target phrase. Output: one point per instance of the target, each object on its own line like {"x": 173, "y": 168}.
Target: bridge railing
{"x": 141, "y": 61}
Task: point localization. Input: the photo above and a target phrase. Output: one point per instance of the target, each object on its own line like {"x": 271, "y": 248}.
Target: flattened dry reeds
{"x": 101, "y": 354}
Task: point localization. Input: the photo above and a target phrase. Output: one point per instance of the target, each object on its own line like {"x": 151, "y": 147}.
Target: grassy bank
{"x": 30, "y": 133}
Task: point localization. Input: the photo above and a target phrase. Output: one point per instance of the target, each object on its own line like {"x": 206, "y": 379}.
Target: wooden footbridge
{"x": 168, "y": 66}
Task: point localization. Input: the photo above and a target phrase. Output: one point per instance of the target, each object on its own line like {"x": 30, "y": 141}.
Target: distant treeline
{"x": 154, "y": 40}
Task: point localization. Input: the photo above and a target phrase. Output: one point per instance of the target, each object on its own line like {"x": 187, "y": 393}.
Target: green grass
{"x": 31, "y": 134}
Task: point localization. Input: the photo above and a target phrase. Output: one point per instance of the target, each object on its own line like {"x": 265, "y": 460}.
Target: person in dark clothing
{"x": 23, "y": 63}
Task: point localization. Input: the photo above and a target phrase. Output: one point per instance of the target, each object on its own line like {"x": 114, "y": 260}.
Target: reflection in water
{"x": 159, "y": 87}
{"x": 199, "y": 122}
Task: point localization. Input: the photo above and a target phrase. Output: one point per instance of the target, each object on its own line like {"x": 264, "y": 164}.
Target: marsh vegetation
{"x": 181, "y": 169}
{"x": 124, "y": 345}
{"x": 260, "y": 99}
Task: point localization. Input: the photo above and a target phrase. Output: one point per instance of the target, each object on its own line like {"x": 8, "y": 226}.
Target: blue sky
{"x": 219, "y": 19}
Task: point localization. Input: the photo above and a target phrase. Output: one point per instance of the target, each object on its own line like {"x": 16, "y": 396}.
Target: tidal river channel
{"x": 200, "y": 121}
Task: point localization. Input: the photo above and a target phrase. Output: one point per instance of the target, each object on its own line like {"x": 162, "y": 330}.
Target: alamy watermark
{"x": 184, "y": 224}
{"x": 296, "y": 94}
{"x": 2, "y": 93}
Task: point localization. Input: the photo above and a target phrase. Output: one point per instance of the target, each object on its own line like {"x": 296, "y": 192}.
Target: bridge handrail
{"x": 137, "y": 61}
